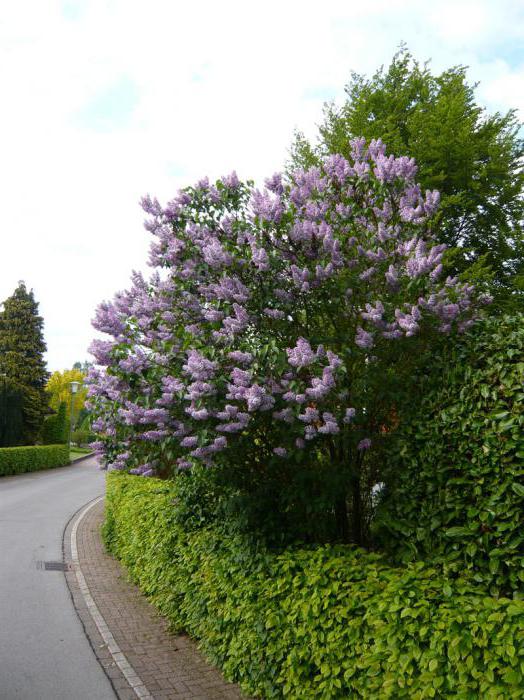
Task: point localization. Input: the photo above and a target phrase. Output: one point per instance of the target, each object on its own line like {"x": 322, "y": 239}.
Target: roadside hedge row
{"x": 455, "y": 481}
{"x": 18, "y": 460}
{"x": 319, "y": 622}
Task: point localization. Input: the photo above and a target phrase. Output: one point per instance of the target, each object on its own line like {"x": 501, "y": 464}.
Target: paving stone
{"x": 169, "y": 666}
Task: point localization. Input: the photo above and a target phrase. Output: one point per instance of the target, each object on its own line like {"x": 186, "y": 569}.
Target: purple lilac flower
{"x": 258, "y": 399}
{"x": 267, "y": 207}
{"x": 310, "y": 415}
{"x": 241, "y": 357}
{"x": 364, "y": 444}
{"x": 215, "y": 255}
{"x": 280, "y": 451}
{"x": 364, "y": 339}
{"x": 349, "y": 415}
{"x": 274, "y": 313}
{"x": 330, "y": 426}
{"x": 189, "y": 441}
{"x": 286, "y": 415}
{"x": 197, "y": 413}
{"x": 231, "y": 181}
{"x": 301, "y": 355}
{"x": 274, "y": 184}
{"x": 199, "y": 367}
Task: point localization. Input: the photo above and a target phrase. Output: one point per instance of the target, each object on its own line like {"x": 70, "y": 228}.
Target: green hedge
{"x": 18, "y": 460}
{"x": 319, "y": 622}
{"x": 55, "y": 429}
{"x": 455, "y": 492}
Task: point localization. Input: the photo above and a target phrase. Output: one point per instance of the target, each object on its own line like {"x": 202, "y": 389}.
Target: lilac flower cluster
{"x": 248, "y": 341}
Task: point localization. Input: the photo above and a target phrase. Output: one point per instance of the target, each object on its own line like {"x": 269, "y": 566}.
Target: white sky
{"x": 106, "y": 100}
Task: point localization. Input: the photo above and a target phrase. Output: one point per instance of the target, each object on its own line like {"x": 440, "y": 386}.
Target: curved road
{"x": 44, "y": 654}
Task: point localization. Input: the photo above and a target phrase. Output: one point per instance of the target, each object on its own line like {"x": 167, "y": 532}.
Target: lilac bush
{"x": 267, "y": 310}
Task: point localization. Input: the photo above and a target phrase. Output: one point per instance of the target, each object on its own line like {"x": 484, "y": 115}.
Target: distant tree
{"x": 55, "y": 430}
{"x": 58, "y": 389}
{"x": 473, "y": 158}
{"x": 84, "y": 366}
{"x": 22, "y": 361}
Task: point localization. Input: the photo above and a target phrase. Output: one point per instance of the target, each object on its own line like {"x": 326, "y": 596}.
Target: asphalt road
{"x": 44, "y": 654}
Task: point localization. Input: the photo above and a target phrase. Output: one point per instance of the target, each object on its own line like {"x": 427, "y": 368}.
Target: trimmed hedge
{"x": 455, "y": 491}
{"x": 18, "y": 460}
{"x": 318, "y": 622}
{"x": 55, "y": 429}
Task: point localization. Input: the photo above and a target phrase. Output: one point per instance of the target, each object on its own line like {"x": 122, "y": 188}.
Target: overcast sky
{"x": 106, "y": 100}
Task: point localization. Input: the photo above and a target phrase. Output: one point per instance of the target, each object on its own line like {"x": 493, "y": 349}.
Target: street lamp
{"x": 74, "y": 389}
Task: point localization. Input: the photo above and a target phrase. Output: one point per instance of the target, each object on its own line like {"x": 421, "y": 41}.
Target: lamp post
{"x": 74, "y": 389}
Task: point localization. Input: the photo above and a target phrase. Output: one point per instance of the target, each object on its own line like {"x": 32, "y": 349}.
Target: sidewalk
{"x": 137, "y": 643}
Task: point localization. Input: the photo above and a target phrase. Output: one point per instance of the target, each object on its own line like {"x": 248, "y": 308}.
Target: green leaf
{"x": 457, "y": 531}
{"x": 518, "y": 488}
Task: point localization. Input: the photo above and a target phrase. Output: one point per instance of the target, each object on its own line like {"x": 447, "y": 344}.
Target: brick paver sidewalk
{"x": 170, "y": 666}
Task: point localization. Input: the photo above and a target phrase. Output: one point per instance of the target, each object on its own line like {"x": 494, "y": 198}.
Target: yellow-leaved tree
{"x": 59, "y": 389}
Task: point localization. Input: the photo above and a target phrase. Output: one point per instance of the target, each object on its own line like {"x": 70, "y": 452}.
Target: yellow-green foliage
{"x": 319, "y": 622}
{"x": 18, "y": 460}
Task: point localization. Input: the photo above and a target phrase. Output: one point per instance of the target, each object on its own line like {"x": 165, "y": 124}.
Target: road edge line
{"x": 129, "y": 673}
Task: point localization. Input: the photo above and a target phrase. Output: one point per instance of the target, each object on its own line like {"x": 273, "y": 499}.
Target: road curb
{"x": 108, "y": 653}
{"x": 82, "y": 459}
{"x": 129, "y": 634}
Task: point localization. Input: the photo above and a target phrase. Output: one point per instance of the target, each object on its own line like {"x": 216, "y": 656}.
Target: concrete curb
{"x": 129, "y": 638}
{"x": 81, "y": 459}
{"x": 119, "y": 658}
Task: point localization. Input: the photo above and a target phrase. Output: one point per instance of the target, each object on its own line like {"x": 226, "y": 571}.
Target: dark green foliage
{"x": 11, "y": 415}
{"x": 55, "y": 429}
{"x": 82, "y": 437}
{"x": 455, "y": 487}
{"x": 317, "y": 622}
{"x": 474, "y": 159}
{"x": 22, "y": 362}
{"x": 283, "y": 503}
{"x": 18, "y": 460}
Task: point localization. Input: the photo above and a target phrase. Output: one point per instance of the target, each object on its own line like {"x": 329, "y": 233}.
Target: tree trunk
{"x": 356, "y": 511}
{"x": 341, "y": 517}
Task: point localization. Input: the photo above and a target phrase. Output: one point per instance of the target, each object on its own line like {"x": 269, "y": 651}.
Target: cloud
{"x": 111, "y": 109}
{"x": 105, "y": 100}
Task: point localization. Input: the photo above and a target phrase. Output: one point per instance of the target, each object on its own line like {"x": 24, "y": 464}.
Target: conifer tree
{"x": 22, "y": 361}
{"x": 11, "y": 415}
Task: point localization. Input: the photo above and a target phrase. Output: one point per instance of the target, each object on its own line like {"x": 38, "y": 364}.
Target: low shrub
{"x": 455, "y": 488}
{"x": 315, "y": 622}
{"x": 83, "y": 437}
{"x": 18, "y": 460}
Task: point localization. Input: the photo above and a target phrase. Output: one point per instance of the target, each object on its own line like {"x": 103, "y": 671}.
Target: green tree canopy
{"x": 22, "y": 361}
{"x": 473, "y": 158}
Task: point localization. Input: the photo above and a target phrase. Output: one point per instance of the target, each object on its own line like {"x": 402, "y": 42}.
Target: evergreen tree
{"x": 22, "y": 361}
{"x": 474, "y": 159}
{"x": 11, "y": 415}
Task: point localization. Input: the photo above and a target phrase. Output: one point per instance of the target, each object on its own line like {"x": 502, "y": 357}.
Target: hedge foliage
{"x": 318, "y": 622}
{"x": 55, "y": 429}
{"x": 455, "y": 493}
{"x": 18, "y": 460}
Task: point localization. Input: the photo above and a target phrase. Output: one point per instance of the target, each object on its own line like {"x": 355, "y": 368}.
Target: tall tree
{"x": 22, "y": 361}
{"x": 11, "y": 415}
{"x": 473, "y": 158}
{"x": 59, "y": 389}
